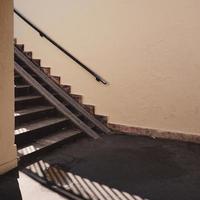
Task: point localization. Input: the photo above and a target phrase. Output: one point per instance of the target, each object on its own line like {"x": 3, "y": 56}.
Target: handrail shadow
{"x": 72, "y": 185}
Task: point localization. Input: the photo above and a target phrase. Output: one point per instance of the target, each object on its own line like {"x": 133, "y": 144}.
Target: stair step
{"x": 24, "y": 89}
{"x": 20, "y": 46}
{"x": 27, "y": 98}
{"x": 29, "y": 54}
{"x": 35, "y": 109}
{"x": 25, "y": 86}
{"x": 23, "y": 101}
{"x": 48, "y": 141}
{"x": 33, "y": 113}
{"x": 17, "y": 76}
{"x": 22, "y": 86}
{"x": 36, "y": 125}
{"x": 36, "y": 61}
{"x": 19, "y": 80}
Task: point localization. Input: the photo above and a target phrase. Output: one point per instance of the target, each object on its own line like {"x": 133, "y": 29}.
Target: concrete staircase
{"x": 40, "y": 123}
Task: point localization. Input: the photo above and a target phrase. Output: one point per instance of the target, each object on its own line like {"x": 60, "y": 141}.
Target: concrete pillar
{"x": 8, "y": 156}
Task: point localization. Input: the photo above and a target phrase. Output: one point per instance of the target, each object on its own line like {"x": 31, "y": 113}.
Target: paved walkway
{"x": 118, "y": 167}
{"x": 69, "y": 183}
{"x": 150, "y": 168}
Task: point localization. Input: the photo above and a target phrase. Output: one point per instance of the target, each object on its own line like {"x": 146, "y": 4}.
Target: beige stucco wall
{"x": 147, "y": 50}
{"x": 7, "y": 147}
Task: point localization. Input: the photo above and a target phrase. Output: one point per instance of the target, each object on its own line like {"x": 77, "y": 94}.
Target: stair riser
{"x": 29, "y": 54}
{"x": 24, "y": 91}
{"x": 19, "y": 91}
{"x": 29, "y": 136}
{"x": 26, "y": 103}
{"x": 46, "y": 70}
{"x": 20, "y": 46}
{"x": 102, "y": 118}
{"x": 37, "y": 62}
{"x": 56, "y": 79}
{"x": 35, "y": 116}
{"x": 35, "y": 156}
{"x": 67, "y": 88}
{"x": 90, "y": 108}
{"x": 32, "y": 74}
{"x": 78, "y": 98}
{"x": 28, "y": 70}
{"x": 20, "y": 81}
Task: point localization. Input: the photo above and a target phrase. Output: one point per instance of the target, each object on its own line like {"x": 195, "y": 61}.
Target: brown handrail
{"x": 42, "y": 34}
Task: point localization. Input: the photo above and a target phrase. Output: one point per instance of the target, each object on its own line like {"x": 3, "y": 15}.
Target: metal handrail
{"x": 42, "y": 34}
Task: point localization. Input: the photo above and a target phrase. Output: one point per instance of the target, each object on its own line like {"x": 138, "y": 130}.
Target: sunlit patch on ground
{"x": 76, "y": 184}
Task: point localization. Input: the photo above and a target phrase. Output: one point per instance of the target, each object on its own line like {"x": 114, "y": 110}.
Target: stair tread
{"x": 22, "y": 86}
{"x": 16, "y": 76}
{"x": 31, "y": 110}
{"x": 38, "y": 124}
{"x": 48, "y": 140}
{"x": 27, "y": 97}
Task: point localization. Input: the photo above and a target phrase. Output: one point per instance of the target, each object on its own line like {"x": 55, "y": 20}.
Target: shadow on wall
{"x": 9, "y": 187}
{"x": 71, "y": 185}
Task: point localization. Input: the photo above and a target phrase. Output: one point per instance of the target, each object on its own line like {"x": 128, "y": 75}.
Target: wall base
{"x": 186, "y": 137}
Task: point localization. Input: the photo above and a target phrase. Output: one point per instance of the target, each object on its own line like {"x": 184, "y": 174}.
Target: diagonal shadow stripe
{"x": 64, "y": 181}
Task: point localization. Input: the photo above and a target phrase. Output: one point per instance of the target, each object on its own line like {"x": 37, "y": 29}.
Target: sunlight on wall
{"x": 147, "y": 50}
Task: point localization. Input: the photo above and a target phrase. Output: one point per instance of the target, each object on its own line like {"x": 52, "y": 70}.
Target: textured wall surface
{"x": 7, "y": 147}
{"x": 147, "y": 50}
